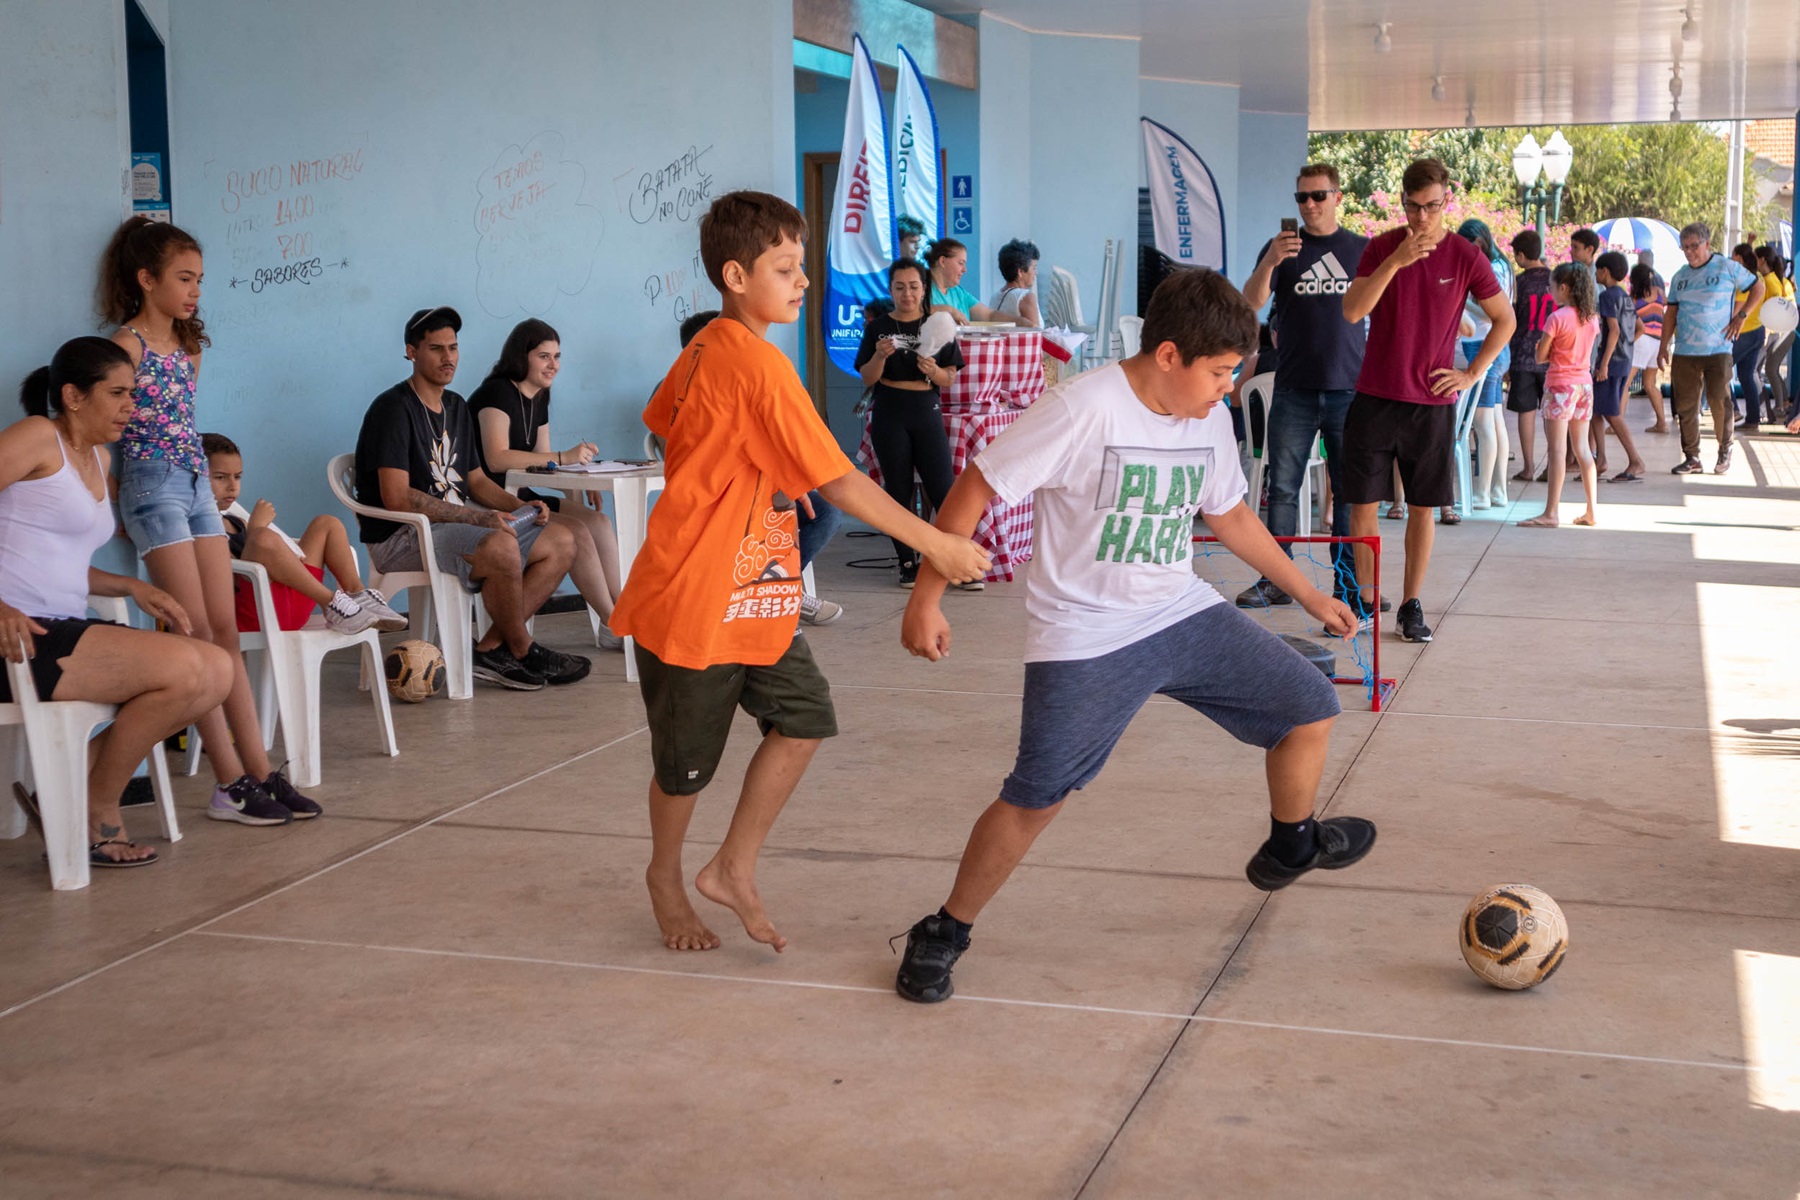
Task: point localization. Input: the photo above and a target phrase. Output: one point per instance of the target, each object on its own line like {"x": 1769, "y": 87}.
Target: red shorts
{"x": 292, "y": 609}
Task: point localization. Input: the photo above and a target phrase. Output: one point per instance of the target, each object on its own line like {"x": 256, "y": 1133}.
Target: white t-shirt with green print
{"x": 1116, "y": 489}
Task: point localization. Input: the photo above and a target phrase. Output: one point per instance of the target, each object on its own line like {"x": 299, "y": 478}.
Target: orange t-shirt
{"x": 718, "y": 578}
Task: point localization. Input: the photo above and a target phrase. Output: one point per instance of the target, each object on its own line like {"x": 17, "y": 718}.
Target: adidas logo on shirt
{"x": 1324, "y": 278}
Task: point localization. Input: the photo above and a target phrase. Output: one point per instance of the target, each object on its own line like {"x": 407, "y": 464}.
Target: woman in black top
{"x": 512, "y": 409}
{"x": 905, "y": 425}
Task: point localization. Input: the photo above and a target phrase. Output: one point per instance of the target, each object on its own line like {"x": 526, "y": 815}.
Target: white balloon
{"x": 1780, "y": 316}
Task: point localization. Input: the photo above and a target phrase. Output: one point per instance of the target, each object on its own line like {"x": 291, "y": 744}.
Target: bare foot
{"x": 681, "y": 926}
{"x": 1545, "y": 521}
{"x": 1584, "y": 519}
{"x": 739, "y": 895}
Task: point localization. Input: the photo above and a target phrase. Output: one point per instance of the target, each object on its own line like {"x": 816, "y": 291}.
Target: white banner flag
{"x": 861, "y": 240}
{"x": 1184, "y": 200}
{"x": 916, "y": 150}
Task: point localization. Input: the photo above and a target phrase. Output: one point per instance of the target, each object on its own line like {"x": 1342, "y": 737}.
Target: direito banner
{"x": 916, "y": 183}
{"x": 1184, "y": 200}
{"x": 861, "y": 240}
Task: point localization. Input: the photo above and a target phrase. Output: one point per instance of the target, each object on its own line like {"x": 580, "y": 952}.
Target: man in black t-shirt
{"x": 1318, "y": 354}
{"x": 416, "y": 454}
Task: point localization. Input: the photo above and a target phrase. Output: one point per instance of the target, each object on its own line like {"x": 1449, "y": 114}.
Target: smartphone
{"x": 1290, "y": 225}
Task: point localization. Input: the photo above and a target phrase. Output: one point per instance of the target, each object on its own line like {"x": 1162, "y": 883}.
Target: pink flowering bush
{"x": 1381, "y": 211}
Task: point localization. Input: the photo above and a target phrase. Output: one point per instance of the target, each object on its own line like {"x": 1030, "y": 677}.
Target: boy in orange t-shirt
{"x": 713, "y": 598}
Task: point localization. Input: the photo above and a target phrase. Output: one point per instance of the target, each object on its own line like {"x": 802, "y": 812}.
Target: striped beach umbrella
{"x": 1787, "y": 239}
{"x": 1632, "y": 234}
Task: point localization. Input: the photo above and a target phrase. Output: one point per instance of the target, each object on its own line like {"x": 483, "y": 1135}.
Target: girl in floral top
{"x": 150, "y": 287}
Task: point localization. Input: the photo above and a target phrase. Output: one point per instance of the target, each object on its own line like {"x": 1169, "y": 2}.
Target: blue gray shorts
{"x": 450, "y": 543}
{"x": 1252, "y": 684}
{"x": 164, "y": 504}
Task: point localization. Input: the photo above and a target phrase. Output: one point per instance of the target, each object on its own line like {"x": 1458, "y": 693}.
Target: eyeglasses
{"x": 1413, "y": 210}
{"x": 1316, "y": 197}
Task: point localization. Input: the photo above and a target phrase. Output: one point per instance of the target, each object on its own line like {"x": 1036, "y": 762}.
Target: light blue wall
{"x": 407, "y": 112}
{"x": 1003, "y": 111}
{"x": 1271, "y": 151}
{"x": 1084, "y": 154}
{"x": 64, "y": 148}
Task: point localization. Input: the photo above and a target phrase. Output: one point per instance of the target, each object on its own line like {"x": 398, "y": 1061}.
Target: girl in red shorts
{"x": 1567, "y": 345}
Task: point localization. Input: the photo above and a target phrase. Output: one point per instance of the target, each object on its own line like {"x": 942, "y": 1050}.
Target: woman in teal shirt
{"x": 948, "y": 260}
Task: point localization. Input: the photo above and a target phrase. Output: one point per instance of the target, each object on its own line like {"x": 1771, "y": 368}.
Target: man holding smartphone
{"x": 1303, "y": 274}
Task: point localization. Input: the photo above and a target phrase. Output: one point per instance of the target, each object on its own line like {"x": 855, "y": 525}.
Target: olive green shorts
{"x": 690, "y": 711}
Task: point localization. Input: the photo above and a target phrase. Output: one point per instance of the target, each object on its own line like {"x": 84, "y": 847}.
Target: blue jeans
{"x": 818, "y": 529}
{"x": 1296, "y": 418}
{"x": 1746, "y": 356}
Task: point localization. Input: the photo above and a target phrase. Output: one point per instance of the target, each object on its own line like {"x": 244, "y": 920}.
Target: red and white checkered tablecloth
{"x": 1001, "y": 378}
{"x": 999, "y": 371}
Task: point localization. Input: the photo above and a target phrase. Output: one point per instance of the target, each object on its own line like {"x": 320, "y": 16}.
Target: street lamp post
{"x": 1552, "y": 160}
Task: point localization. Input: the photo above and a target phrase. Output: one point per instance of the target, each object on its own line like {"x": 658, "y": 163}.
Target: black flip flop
{"x": 98, "y": 859}
{"x": 1626, "y": 477}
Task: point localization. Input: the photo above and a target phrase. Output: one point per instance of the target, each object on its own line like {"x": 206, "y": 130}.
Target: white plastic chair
{"x": 1465, "y": 475}
{"x": 1131, "y": 336}
{"x": 451, "y": 611}
{"x": 51, "y": 738}
{"x": 1259, "y": 396}
{"x": 1062, "y": 302}
{"x": 286, "y": 676}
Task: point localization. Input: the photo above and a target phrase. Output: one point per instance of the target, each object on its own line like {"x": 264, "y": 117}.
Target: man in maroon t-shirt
{"x": 1411, "y": 284}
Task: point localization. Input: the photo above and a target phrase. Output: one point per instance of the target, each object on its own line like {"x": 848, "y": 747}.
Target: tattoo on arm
{"x": 430, "y": 506}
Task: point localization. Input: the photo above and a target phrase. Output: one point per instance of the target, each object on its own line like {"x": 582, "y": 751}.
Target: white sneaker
{"x": 1479, "y": 503}
{"x": 344, "y": 615}
{"x": 606, "y": 639}
{"x": 815, "y": 611}
{"x": 1500, "y": 499}
{"x": 386, "y": 619}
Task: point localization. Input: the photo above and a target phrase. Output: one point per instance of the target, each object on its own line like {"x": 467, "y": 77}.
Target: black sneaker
{"x": 1356, "y": 604}
{"x": 245, "y": 801}
{"x": 909, "y": 575}
{"x": 1687, "y": 466}
{"x": 554, "y": 666}
{"x": 283, "y": 792}
{"x": 498, "y": 666}
{"x": 1342, "y": 841}
{"x": 932, "y": 948}
{"x": 1411, "y": 622}
{"x": 1262, "y": 594}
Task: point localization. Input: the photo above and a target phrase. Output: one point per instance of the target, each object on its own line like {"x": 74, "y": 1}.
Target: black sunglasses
{"x": 1315, "y": 197}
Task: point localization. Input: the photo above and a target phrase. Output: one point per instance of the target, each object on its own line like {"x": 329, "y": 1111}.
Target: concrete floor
{"x": 451, "y": 985}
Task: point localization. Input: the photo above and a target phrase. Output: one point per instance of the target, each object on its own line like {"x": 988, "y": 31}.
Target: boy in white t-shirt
{"x": 1118, "y": 462}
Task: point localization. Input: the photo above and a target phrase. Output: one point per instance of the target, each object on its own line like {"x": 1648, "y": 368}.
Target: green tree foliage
{"x": 1673, "y": 172}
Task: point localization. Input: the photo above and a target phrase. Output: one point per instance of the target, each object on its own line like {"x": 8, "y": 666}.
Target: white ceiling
{"x": 1516, "y": 62}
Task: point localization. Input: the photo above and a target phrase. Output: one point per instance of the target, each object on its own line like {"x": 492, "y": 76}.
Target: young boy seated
{"x": 713, "y": 598}
{"x": 1119, "y": 461}
{"x": 296, "y": 569}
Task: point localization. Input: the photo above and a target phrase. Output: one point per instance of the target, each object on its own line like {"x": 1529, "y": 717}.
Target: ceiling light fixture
{"x": 1383, "y": 43}
{"x": 1690, "y": 28}
{"x": 1437, "y": 87}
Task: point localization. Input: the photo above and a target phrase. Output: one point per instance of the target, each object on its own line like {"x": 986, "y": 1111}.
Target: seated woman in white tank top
{"x": 1018, "y": 299}
{"x": 54, "y": 513}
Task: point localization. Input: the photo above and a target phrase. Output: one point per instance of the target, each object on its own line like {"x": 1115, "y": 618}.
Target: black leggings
{"x": 907, "y": 431}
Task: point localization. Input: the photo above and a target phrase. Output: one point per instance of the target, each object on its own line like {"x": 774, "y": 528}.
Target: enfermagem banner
{"x": 861, "y": 240}
{"x": 916, "y": 180}
{"x": 1184, "y": 200}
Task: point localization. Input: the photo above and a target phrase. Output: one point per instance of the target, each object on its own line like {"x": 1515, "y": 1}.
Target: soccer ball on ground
{"x": 1514, "y": 936}
{"x": 415, "y": 671}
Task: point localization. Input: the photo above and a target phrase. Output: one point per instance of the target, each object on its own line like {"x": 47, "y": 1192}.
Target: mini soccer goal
{"x": 1329, "y": 562}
